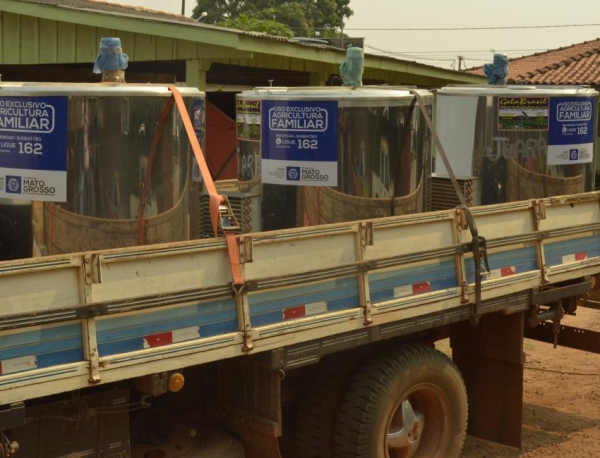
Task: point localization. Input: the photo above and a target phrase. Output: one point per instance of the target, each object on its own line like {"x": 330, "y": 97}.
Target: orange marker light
{"x": 176, "y": 382}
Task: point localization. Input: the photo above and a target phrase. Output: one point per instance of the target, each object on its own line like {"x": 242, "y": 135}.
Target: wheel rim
{"x": 419, "y": 424}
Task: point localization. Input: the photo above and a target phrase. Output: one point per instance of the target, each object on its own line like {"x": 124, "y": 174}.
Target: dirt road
{"x": 561, "y": 415}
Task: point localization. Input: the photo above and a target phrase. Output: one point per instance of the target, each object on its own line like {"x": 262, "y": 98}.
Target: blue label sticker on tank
{"x": 299, "y": 142}
{"x": 33, "y": 148}
{"x": 571, "y": 132}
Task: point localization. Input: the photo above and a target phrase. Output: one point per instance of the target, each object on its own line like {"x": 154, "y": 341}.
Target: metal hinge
{"x": 539, "y": 210}
{"x": 92, "y": 268}
{"x": 366, "y": 233}
{"x": 247, "y": 249}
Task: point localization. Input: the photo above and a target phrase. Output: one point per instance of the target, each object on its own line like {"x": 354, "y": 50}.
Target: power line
{"x": 481, "y": 60}
{"x": 461, "y": 59}
{"x": 429, "y": 29}
{"x": 443, "y": 55}
{"x": 395, "y": 54}
{"x": 465, "y": 52}
{"x": 416, "y": 55}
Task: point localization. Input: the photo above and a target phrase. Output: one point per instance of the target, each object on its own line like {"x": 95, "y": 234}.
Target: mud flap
{"x": 490, "y": 358}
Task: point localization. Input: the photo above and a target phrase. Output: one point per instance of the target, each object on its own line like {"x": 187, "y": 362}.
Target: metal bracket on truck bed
{"x": 539, "y": 208}
{"x": 90, "y": 346}
{"x": 544, "y": 324}
{"x": 12, "y": 416}
{"x": 566, "y": 336}
{"x": 243, "y": 310}
{"x": 92, "y": 269}
{"x": 365, "y": 238}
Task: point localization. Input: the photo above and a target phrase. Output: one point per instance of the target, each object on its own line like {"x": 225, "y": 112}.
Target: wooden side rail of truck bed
{"x": 70, "y": 321}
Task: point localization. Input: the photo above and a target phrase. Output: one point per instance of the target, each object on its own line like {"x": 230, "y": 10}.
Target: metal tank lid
{"x": 518, "y": 90}
{"x": 92, "y": 89}
{"x": 334, "y": 92}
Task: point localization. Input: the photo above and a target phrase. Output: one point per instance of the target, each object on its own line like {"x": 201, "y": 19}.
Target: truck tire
{"x": 410, "y": 403}
{"x": 318, "y": 406}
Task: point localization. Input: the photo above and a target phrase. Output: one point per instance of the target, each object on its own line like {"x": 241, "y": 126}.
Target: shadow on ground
{"x": 542, "y": 427}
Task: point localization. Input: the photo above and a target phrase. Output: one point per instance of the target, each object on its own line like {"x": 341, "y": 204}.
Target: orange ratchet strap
{"x": 221, "y": 214}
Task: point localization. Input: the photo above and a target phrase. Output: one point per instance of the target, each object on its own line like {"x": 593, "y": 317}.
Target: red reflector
{"x": 506, "y": 271}
{"x": 294, "y": 312}
{"x": 156, "y": 340}
{"x": 580, "y": 256}
{"x": 420, "y": 288}
{"x": 1, "y": 368}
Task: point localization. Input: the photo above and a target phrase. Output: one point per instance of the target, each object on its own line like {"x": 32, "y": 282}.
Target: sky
{"x": 513, "y": 27}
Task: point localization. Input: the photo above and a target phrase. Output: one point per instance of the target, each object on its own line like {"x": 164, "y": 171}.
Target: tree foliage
{"x": 302, "y": 17}
{"x": 245, "y": 22}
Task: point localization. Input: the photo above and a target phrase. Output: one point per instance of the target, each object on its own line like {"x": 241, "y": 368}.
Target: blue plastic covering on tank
{"x": 497, "y": 71}
{"x": 111, "y": 57}
{"x": 351, "y": 70}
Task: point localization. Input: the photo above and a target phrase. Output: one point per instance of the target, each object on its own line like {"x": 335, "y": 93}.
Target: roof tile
{"x": 575, "y": 64}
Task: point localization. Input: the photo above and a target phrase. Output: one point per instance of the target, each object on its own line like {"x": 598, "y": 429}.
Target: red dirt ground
{"x": 561, "y": 415}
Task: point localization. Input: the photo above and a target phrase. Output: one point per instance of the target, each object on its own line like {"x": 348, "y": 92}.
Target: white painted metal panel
{"x": 568, "y": 213}
{"x": 403, "y": 239}
{"x": 38, "y": 290}
{"x": 179, "y": 270}
{"x": 502, "y": 223}
{"x": 296, "y": 254}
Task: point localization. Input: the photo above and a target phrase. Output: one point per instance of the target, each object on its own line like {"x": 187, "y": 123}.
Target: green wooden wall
{"x": 29, "y": 40}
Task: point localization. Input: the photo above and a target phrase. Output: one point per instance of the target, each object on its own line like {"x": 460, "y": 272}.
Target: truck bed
{"x": 72, "y": 321}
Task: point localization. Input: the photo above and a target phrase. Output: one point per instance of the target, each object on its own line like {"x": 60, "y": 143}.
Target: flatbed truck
{"x": 313, "y": 341}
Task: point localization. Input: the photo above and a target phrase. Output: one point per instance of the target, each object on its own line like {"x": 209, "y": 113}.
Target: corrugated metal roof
{"x": 575, "y": 64}
{"x": 116, "y": 8}
{"x": 128, "y": 11}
